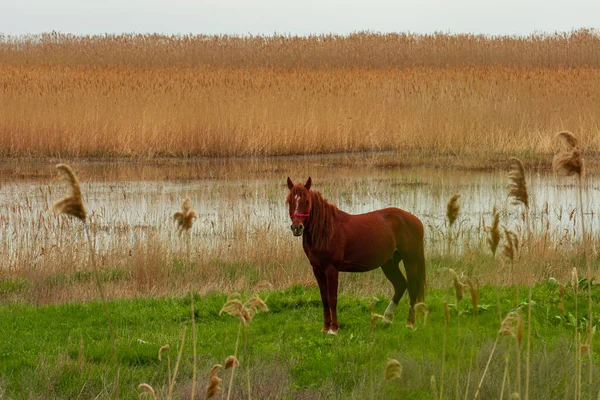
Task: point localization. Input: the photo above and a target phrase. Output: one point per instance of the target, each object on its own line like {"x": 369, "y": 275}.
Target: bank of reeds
{"x": 124, "y": 96}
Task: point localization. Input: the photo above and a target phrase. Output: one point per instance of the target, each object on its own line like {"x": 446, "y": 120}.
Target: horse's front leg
{"x": 322, "y": 281}
{"x": 332, "y": 292}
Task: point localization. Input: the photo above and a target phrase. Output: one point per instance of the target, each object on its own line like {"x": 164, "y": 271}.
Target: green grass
{"x": 63, "y": 351}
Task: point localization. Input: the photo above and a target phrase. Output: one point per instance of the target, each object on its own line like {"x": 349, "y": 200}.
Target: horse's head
{"x": 298, "y": 201}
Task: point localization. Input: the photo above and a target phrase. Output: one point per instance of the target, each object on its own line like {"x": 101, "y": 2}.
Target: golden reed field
{"x": 184, "y": 96}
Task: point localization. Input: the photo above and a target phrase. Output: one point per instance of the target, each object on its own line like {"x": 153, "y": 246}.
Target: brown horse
{"x": 335, "y": 241}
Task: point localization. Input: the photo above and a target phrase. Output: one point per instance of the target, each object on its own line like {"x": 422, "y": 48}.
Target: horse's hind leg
{"x": 391, "y": 269}
{"x": 415, "y": 275}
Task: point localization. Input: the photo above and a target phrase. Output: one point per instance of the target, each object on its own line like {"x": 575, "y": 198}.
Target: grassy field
{"x": 467, "y": 102}
{"x": 469, "y": 97}
{"x": 63, "y": 351}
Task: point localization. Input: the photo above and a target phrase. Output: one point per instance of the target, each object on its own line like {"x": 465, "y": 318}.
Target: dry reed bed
{"x": 571, "y": 49}
{"x": 126, "y": 111}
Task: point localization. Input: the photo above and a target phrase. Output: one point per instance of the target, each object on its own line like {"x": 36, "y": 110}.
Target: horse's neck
{"x": 321, "y": 222}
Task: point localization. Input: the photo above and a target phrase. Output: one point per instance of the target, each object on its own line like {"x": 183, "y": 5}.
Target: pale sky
{"x": 301, "y": 17}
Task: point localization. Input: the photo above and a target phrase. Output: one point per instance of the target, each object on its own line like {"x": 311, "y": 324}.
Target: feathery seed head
{"x": 494, "y": 232}
{"x": 517, "y": 188}
{"x": 255, "y": 303}
{"x": 164, "y": 348}
{"x": 215, "y": 369}
{"x": 185, "y": 217}
{"x": 231, "y": 362}
{"x": 393, "y": 370}
{"x": 236, "y": 308}
{"x": 71, "y": 204}
{"x": 568, "y": 161}
{"x": 507, "y": 327}
{"x": 575, "y": 280}
{"x": 511, "y": 247}
{"x": 453, "y": 208}
{"x": 520, "y": 328}
{"x": 148, "y": 388}
{"x": 213, "y": 384}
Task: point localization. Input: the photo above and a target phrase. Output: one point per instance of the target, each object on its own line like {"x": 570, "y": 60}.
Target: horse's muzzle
{"x": 297, "y": 229}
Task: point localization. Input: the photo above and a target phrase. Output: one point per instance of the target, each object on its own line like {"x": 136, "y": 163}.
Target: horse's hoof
{"x": 410, "y": 325}
{"x": 324, "y": 330}
{"x": 386, "y": 320}
{"x": 332, "y": 332}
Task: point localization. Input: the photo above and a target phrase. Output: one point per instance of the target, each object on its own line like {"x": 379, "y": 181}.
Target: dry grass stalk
{"x": 517, "y": 189}
{"x": 193, "y": 344}
{"x": 453, "y": 208}
{"x": 575, "y": 280}
{"x": 185, "y": 217}
{"x": 474, "y": 293}
{"x": 393, "y": 370}
{"x": 148, "y": 389}
{"x": 494, "y": 232}
{"x": 561, "y": 305}
{"x": 173, "y": 379}
{"x": 458, "y": 286}
{"x": 446, "y": 321}
{"x": 71, "y": 204}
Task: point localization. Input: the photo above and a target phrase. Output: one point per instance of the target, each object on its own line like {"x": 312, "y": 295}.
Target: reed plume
{"x": 148, "y": 388}
{"x": 568, "y": 162}
{"x": 231, "y": 362}
{"x": 185, "y": 217}
{"x": 453, "y": 208}
{"x": 72, "y": 203}
{"x": 160, "y": 351}
{"x": 493, "y": 238}
{"x": 393, "y": 370}
{"x": 511, "y": 247}
{"x": 517, "y": 188}
{"x": 214, "y": 382}
{"x": 452, "y": 211}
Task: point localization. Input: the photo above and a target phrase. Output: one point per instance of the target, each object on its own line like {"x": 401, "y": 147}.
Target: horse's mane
{"x": 322, "y": 215}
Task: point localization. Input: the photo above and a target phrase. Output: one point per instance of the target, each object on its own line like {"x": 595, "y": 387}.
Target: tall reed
{"x": 72, "y": 204}
{"x": 569, "y": 162}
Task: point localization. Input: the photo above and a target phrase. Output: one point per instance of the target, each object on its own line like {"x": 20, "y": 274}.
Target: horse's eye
{"x": 306, "y": 201}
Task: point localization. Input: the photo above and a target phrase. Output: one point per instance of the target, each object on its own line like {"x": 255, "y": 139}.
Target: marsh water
{"x": 241, "y": 200}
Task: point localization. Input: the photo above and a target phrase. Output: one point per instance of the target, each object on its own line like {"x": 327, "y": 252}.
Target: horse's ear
{"x": 308, "y": 183}
{"x": 290, "y": 183}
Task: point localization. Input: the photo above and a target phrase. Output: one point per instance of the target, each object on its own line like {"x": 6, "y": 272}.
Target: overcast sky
{"x": 300, "y": 17}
